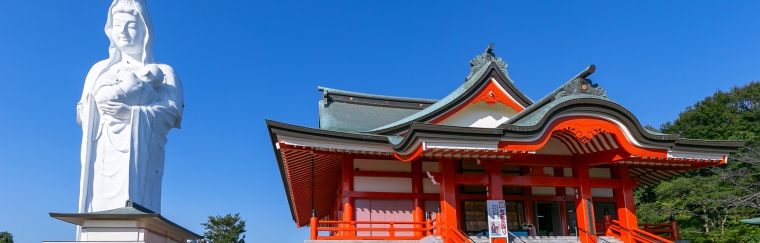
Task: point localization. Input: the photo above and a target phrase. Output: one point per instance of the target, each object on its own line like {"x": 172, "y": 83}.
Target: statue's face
{"x": 128, "y": 33}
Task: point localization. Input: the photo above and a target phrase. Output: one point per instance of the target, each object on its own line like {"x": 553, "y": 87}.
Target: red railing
{"x": 348, "y": 230}
{"x": 613, "y": 228}
{"x": 667, "y": 232}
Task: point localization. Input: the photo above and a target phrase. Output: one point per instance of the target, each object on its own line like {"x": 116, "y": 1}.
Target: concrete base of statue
{"x": 132, "y": 223}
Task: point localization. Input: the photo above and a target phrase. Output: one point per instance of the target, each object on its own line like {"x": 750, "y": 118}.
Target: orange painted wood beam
{"x": 512, "y": 197}
{"x": 383, "y": 174}
{"x": 470, "y": 179}
{"x": 542, "y": 160}
{"x": 540, "y": 181}
{"x": 534, "y": 198}
{"x": 506, "y": 180}
{"x": 390, "y": 195}
{"x": 604, "y": 199}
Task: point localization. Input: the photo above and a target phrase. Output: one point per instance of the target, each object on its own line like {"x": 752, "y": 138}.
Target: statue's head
{"x": 130, "y": 30}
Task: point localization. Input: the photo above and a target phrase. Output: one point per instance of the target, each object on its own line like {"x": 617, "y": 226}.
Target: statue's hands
{"x": 115, "y": 109}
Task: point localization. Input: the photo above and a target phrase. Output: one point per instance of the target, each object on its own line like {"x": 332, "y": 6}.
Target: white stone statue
{"x": 129, "y": 104}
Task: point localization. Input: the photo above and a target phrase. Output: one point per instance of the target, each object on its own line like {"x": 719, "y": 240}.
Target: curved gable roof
{"x": 581, "y": 96}
{"x": 475, "y": 81}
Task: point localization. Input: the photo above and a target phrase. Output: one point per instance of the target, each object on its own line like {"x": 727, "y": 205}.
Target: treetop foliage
{"x": 6, "y": 237}
{"x": 708, "y": 203}
{"x": 732, "y": 115}
{"x": 225, "y": 229}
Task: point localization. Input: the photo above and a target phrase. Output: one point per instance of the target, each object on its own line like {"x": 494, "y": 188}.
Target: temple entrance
{"x": 475, "y": 217}
{"x": 548, "y": 219}
{"x": 572, "y": 221}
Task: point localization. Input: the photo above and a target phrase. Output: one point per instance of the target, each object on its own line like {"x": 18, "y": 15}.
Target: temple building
{"x": 397, "y": 168}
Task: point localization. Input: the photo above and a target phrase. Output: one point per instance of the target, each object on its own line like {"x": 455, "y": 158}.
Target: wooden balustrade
{"x": 654, "y": 232}
{"x": 348, "y": 230}
{"x": 637, "y": 235}
{"x": 667, "y": 231}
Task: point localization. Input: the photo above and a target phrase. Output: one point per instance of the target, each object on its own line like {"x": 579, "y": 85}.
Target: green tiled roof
{"x": 374, "y": 96}
{"x": 348, "y": 117}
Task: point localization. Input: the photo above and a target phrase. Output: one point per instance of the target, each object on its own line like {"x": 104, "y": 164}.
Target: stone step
{"x": 609, "y": 239}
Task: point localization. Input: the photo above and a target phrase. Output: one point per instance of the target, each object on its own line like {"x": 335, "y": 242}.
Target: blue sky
{"x": 243, "y": 61}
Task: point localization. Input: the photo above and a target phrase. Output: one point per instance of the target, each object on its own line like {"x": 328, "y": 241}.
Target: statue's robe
{"x": 124, "y": 158}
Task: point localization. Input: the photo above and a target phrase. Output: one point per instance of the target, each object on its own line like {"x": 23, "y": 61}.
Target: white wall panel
{"x": 568, "y": 172}
{"x": 601, "y": 192}
{"x": 431, "y": 166}
{"x": 382, "y": 165}
{"x": 382, "y": 184}
{"x": 429, "y": 187}
{"x": 544, "y": 191}
{"x": 599, "y": 173}
{"x": 549, "y": 170}
{"x": 481, "y": 115}
{"x": 569, "y": 191}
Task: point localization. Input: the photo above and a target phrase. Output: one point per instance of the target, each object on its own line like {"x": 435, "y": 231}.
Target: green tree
{"x": 225, "y": 229}
{"x": 708, "y": 203}
{"x": 6, "y": 237}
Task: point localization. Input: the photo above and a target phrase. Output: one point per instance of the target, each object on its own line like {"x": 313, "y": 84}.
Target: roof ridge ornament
{"x": 580, "y": 85}
{"x": 481, "y": 60}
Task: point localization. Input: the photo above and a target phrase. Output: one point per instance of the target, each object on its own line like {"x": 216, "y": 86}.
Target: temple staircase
{"x": 546, "y": 239}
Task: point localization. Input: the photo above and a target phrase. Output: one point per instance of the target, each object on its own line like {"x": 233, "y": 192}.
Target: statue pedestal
{"x": 132, "y": 223}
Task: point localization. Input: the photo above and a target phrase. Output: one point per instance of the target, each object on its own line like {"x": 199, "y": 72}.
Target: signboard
{"x": 497, "y": 219}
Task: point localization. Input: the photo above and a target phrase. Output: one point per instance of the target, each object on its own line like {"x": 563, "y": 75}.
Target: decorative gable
{"x": 487, "y": 98}
{"x": 489, "y": 107}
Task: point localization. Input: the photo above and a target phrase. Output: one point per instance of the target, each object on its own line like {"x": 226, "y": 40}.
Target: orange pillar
{"x": 448, "y": 217}
{"x": 418, "y": 213}
{"x": 347, "y": 184}
{"x": 313, "y": 223}
{"x": 495, "y": 190}
{"x": 626, "y": 209}
{"x": 584, "y": 209}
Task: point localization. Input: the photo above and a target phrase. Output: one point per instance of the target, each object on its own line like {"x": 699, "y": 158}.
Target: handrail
{"x": 641, "y": 235}
{"x": 670, "y": 229}
{"x": 516, "y": 237}
{"x": 347, "y": 230}
{"x": 463, "y": 238}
